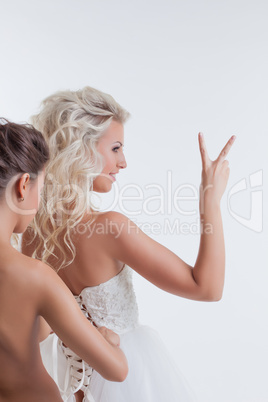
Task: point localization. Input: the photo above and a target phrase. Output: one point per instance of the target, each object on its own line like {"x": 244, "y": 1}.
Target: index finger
{"x": 203, "y": 150}
{"x": 226, "y": 149}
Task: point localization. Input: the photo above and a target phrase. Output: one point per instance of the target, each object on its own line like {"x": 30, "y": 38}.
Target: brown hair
{"x": 23, "y": 149}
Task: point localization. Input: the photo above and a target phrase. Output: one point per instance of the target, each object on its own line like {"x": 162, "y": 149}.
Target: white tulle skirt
{"x": 152, "y": 377}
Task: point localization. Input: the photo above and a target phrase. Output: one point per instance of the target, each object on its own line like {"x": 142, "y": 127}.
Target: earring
{"x": 22, "y": 199}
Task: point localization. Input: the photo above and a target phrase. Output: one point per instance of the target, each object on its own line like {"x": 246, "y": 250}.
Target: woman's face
{"x": 110, "y": 146}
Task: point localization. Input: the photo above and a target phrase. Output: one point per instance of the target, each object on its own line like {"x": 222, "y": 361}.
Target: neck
{"x": 8, "y": 221}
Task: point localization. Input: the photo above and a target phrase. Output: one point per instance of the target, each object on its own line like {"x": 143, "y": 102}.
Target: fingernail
{"x": 233, "y": 137}
{"x": 201, "y": 134}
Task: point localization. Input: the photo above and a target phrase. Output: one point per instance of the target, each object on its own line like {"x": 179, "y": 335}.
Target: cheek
{"x": 108, "y": 163}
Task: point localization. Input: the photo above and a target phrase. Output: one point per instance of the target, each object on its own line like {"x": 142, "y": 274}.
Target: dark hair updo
{"x": 23, "y": 149}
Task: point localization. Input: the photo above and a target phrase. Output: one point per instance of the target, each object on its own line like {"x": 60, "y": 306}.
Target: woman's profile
{"x": 29, "y": 289}
{"x": 85, "y": 133}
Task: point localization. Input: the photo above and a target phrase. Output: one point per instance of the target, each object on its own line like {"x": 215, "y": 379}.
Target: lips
{"x": 112, "y": 176}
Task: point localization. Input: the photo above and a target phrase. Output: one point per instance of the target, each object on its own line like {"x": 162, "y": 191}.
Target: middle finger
{"x": 226, "y": 149}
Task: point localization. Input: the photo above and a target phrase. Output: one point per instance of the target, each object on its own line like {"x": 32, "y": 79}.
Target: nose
{"x": 122, "y": 164}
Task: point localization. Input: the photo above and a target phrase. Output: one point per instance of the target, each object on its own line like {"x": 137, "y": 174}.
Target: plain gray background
{"x": 179, "y": 67}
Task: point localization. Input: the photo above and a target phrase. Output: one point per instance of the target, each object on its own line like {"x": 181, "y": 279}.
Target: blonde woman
{"x": 30, "y": 290}
{"x": 85, "y": 133}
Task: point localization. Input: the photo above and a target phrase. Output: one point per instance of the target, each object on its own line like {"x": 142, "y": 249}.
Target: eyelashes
{"x": 115, "y": 149}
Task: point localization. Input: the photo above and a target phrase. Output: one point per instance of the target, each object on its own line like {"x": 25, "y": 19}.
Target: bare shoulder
{"x": 103, "y": 225}
{"x": 120, "y": 234}
{"x": 110, "y": 216}
{"x": 115, "y": 223}
{"x": 36, "y": 271}
{"x": 26, "y": 276}
{"x": 45, "y": 276}
{"x": 47, "y": 285}
{"x": 103, "y": 235}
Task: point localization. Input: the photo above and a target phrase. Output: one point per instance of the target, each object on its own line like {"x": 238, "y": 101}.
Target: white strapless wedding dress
{"x": 152, "y": 377}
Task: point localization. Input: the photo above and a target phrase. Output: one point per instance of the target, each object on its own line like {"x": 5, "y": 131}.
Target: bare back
{"x": 93, "y": 263}
{"x": 22, "y": 375}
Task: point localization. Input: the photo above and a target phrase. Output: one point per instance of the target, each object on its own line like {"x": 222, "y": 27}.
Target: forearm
{"x": 115, "y": 368}
{"x": 209, "y": 268}
{"x": 108, "y": 360}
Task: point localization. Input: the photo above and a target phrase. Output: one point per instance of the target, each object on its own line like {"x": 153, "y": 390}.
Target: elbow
{"x": 210, "y": 295}
{"x": 122, "y": 371}
{"x": 122, "y": 374}
{"x": 119, "y": 374}
{"x": 213, "y": 297}
{"x": 208, "y": 290}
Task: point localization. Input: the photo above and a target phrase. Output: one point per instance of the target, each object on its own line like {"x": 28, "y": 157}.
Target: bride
{"x": 85, "y": 133}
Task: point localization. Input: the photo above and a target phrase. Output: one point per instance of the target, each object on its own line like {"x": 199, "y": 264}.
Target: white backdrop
{"x": 179, "y": 67}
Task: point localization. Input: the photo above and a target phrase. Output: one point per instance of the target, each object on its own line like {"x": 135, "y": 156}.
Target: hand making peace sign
{"x": 215, "y": 173}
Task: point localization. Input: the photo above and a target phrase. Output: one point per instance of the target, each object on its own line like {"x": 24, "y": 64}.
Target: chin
{"x": 103, "y": 187}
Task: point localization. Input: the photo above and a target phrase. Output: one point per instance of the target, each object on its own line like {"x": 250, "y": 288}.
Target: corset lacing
{"x": 78, "y": 374}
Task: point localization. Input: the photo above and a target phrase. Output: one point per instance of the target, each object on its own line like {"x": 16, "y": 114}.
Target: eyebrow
{"x": 118, "y": 142}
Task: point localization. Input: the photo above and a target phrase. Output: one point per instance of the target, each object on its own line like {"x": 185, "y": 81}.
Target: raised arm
{"x": 209, "y": 269}
{"x": 162, "y": 267}
{"x": 59, "y": 308}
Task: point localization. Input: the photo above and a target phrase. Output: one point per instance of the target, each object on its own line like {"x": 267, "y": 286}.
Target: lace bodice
{"x": 111, "y": 304}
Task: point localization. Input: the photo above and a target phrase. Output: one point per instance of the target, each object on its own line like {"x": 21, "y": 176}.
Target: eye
{"x": 115, "y": 149}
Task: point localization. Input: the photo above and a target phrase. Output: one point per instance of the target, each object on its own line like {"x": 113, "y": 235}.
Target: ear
{"x": 22, "y": 184}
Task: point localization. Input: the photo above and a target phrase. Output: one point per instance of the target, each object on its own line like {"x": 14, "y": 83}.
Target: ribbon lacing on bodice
{"x": 78, "y": 373}
{"x": 79, "y": 300}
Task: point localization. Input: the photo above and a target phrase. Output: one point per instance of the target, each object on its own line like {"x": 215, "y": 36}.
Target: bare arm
{"x": 162, "y": 267}
{"x": 209, "y": 269}
{"x": 59, "y": 308}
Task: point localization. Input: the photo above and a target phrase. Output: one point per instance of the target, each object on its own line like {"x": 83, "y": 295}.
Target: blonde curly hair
{"x": 72, "y": 122}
